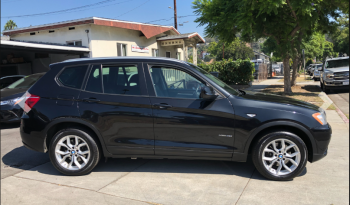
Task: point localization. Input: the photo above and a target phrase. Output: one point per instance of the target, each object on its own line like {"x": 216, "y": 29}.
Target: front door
{"x": 116, "y": 102}
{"x": 185, "y": 124}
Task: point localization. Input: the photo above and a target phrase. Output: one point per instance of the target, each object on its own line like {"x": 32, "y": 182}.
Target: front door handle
{"x": 162, "y": 105}
{"x": 91, "y": 100}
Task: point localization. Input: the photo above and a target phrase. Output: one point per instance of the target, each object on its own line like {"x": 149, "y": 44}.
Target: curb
{"x": 340, "y": 113}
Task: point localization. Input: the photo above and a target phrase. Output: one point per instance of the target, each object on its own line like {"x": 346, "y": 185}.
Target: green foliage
{"x": 309, "y": 62}
{"x": 234, "y": 50}
{"x": 10, "y": 25}
{"x": 341, "y": 36}
{"x": 232, "y": 72}
{"x": 328, "y": 51}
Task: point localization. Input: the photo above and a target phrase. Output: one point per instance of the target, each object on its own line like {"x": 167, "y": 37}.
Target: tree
{"x": 341, "y": 37}
{"x": 234, "y": 50}
{"x": 288, "y": 22}
{"x": 10, "y": 25}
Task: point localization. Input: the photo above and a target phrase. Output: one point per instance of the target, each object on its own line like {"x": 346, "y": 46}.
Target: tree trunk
{"x": 286, "y": 68}
{"x": 295, "y": 69}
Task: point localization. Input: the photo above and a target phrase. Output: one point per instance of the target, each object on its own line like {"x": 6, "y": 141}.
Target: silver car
{"x": 335, "y": 74}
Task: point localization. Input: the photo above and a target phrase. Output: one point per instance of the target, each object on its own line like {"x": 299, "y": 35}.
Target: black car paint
{"x": 136, "y": 126}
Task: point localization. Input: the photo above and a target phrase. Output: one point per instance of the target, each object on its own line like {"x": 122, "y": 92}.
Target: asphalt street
{"x": 28, "y": 177}
{"x": 341, "y": 99}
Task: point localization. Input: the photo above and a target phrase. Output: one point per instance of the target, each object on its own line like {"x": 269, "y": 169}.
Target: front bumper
{"x": 337, "y": 83}
{"x": 9, "y": 113}
{"x": 322, "y": 136}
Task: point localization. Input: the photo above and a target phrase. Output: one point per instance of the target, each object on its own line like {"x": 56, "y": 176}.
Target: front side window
{"x": 174, "y": 83}
{"x": 73, "y": 76}
{"x": 122, "y": 80}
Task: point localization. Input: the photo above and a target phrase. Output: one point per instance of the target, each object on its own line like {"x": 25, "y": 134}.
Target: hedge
{"x": 232, "y": 72}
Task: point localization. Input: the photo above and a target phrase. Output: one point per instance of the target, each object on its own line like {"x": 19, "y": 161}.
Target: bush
{"x": 232, "y": 72}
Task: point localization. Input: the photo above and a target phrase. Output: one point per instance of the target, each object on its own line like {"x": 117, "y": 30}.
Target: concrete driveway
{"x": 28, "y": 178}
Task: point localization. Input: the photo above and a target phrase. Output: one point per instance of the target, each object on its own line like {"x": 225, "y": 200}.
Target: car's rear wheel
{"x": 74, "y": 152}
{"x": 280, "y": 156}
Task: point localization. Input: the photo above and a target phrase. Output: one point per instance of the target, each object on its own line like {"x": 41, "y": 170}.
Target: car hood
{"x": 279, "y": 99}
{"x": 7, "y": 94}
{"x": 335, "y": 70}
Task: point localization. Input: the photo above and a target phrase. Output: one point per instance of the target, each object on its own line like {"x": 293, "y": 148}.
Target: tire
{"x": 325, "y": 89}
{"x": 273, "y": 173}
{"x": 86, "y": 144}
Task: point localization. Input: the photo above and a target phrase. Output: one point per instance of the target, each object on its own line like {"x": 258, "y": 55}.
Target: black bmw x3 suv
{"x": 84, "y": 109}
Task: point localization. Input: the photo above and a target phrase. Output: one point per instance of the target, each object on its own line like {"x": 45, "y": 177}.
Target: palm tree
{"x": 10, "y": 25}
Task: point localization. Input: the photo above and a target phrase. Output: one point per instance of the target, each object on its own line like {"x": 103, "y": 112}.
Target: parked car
{"x": 12, "y": 94}
{"x": 317, "y": 72}
{"x": 277, "y": 68}
{"x": 311, "y": 66}
{"x": 8, "y": 80}
{"x": 78, "y": 115}
{"x": 314, "y": 68}
{"x": 335, "y": 74}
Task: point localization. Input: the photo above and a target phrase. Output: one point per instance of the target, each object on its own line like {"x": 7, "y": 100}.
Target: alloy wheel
{"x": 72, "y": 152}
{"x": 281, "y": 157}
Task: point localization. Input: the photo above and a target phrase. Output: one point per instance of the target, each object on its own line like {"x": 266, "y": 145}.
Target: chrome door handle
{"x": 162, "y": 105}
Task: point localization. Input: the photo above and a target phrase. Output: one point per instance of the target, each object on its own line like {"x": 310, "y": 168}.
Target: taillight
{"x": 30, "y": 101}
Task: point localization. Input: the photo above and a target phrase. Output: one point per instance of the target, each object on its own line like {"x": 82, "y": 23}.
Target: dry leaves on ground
{"x": 308, "y": 93}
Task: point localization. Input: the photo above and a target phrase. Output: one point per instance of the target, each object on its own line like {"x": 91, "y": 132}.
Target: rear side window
{"x": 73, "y": 76}
{"x": 122, "y": 80}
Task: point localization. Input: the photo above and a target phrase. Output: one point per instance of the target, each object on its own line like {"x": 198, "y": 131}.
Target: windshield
{"x": 319, "y": 66}
{"x": 25, "y": 82}
{"x": 337, "y": 63}
{"x": 223, "y": 85}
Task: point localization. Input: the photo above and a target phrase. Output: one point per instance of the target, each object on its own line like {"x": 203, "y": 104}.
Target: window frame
{"x": 74, "y": 41}
{"x": 183, "y": 69}
{"x": 68, "y": 66}
{"x": 138, "y": 65}
{"x": 121, "y": 49}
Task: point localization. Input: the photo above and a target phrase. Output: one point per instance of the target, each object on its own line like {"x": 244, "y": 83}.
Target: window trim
{"x": 76, "y": 65}
{"x": 121, "y": 49}
{"x": 73, "y": 41}
{"x": 174, "y": 66}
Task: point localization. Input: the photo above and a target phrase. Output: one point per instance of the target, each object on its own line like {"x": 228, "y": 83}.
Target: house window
{"x": 155, "y": 52}
{"x": 121, "y": 49}
{"x": 178, "y": 56}
{"x": 167, "y": 54}
{"x": 74, "y": 43}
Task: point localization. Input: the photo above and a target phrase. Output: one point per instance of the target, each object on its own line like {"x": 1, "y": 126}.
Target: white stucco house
{"x": 94, "y": 37}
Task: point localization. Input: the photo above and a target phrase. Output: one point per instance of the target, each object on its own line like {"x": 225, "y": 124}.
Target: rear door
{"x": 185, "y": 124}
{"x": 116, "y": 102}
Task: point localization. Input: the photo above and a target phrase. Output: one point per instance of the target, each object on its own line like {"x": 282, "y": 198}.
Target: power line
{"x": 132, "y": 9}
{"x": 65, "y": 10}
{"x": 169, "y": 18}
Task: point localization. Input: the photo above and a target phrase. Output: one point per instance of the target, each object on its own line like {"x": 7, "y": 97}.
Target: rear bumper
{"x": 33, "y": 137}
{"x": 322, "y": 136}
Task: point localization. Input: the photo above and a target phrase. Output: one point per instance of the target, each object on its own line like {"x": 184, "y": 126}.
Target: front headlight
{"x": 321, "y": 118}
{"x": 330, "y": 75}
{"x": 11, "y": 102}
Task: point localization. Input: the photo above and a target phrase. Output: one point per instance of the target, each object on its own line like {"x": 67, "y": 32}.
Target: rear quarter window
{"x": 73, "y": 76}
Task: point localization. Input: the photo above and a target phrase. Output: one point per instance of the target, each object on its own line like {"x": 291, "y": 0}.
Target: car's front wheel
{"x": 280, "y": 156}
{"x": 74, "y": 151}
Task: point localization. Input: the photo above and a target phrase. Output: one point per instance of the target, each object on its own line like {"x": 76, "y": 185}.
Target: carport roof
{"x": 42, "y": 47}
{"x": 149, "y": 30}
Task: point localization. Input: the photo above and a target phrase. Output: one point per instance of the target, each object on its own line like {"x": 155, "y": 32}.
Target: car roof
{"x": 122, "y": 58}
{"x": 339, "y": 58}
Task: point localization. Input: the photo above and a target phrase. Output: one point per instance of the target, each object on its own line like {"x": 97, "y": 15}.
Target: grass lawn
{"x": 308, "y": 93}
{"x": 331, "y": 107}
{"x": 347, "y": 115}
{"x": 300, "y": 79}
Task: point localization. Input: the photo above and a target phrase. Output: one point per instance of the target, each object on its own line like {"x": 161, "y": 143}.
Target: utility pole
{"x": 175, "y": 14}
{"x": 223, "y": 51}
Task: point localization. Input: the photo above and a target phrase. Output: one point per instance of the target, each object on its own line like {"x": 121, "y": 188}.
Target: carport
{"x": 24, "y": 58}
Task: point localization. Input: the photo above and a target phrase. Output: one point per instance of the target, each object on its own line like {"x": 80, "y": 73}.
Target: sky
{"x": 129, "y": 10}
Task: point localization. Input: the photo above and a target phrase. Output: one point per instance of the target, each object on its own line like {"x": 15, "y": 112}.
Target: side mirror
{"x": 208, "y": 93}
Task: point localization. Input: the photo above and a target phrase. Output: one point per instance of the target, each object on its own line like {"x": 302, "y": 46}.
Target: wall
{"x": 61, "y": 35}
{"x": 104, "y": 41}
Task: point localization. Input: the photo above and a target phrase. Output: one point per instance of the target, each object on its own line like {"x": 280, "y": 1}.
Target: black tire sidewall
{"x": 258, "y": 153}
{"x": 94, "y": 150}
